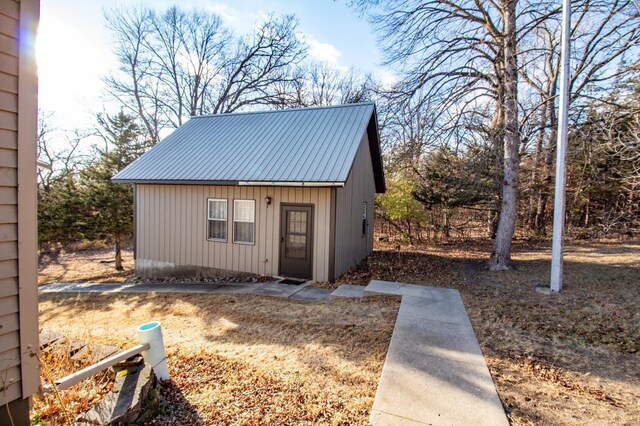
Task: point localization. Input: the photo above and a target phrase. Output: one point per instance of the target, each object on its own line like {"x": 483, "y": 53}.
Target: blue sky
{"x": 74, "y": 51}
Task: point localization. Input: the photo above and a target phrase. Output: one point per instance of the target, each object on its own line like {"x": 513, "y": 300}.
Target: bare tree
{"x": 58, "y": 152}
{"x": 490, "y": 70}
{"x": 602, "y": 34}
{"x": 132, "y": 86}
{"x": 175, "y": 64}
{"x": 501, "y": 254}
{"x": 322, "y": 84}
{"x": 262, "y": 69}
{"x": 462, "y": 56}
{"x": 45, "y": 155}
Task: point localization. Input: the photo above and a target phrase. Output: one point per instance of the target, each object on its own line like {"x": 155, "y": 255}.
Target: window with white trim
{"x": 217, "y": 219}
{"x": 244, "y": 218}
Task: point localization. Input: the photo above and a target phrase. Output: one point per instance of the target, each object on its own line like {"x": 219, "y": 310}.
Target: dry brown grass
{"x": 569, "y": 358}
{"x": 62, "y": 407}
{"x": 241, "y": 359}
{"x": 89, "y": 263}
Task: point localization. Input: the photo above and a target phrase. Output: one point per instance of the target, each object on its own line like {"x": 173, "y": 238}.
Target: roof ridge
{"x": 268, "y": 111}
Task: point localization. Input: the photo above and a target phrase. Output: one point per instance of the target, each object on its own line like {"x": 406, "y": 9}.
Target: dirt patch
{"x": 243, "y": 359}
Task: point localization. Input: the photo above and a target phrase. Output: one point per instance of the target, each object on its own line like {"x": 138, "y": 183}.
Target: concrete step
{"x": 348, "y": 290}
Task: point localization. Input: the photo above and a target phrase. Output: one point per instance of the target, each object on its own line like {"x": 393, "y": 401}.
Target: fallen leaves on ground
{"x": 246, "y": 359}
{"x": 63, "y": 407}
{"x": 568, "y": 358}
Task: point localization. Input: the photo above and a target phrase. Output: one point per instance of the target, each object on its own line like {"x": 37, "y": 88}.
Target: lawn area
{"x": 94, "y": 264}
{"x": 243, "y": 359}
{"x": 569, "y": 358}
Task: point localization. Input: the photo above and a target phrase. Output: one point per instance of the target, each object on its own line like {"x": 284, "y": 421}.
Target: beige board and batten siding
{"x": 18, "y": 263}
{"x": 350, "y": 245}
{"x": 171, "y": 229}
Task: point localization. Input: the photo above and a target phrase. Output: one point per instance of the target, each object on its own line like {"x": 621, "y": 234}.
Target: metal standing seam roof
{"x": 313, "y": 146}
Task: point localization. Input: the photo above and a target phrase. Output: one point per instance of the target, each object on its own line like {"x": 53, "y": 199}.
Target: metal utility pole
{"x": 561, "y": 160}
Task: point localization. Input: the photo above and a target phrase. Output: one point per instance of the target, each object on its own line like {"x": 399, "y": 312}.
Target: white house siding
{"x": 350, "y": 246}
{"x": 171, "y": 229}
{"x": 18, "y": 262}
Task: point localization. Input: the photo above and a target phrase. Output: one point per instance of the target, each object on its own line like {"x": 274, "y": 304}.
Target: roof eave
{"x": 376, "y": 155}
{"x": 229, "y": 183}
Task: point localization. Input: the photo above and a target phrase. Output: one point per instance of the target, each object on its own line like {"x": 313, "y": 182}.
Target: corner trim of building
{"x": 27, "y": 193}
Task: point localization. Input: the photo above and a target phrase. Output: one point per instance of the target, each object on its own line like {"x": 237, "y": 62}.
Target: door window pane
{"x": 295, "y": 246}
{"x": 297, "y": 222}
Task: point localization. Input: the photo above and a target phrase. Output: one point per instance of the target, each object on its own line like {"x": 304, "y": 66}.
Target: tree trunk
{"x": 119, "y": 266}
{"x": 501, "y": 255}
{"x": 445, "y": 227}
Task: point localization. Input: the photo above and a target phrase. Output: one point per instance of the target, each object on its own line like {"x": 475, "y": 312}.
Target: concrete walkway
{"x": 274, "y": 288}
{"x": 434, "y": 372}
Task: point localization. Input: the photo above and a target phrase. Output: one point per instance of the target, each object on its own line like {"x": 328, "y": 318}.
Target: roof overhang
{"x": 230, "y": 183}
{"x": 307, "y": 184}
{"x": 376, "y": 156}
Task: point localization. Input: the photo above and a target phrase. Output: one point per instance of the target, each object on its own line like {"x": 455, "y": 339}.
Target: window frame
{"x": 233, "y": 222}
{"x": 226, "y": 221}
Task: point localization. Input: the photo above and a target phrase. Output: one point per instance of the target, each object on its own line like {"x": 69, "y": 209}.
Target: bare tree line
{"x": 177, "y": 63}
{"x": 488, "y": 74}
{"x": 470, "y": 124}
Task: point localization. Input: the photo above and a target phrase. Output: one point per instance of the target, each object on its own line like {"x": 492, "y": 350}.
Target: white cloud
{"x": 228, "y": 14}
{"x": 386, "y": 77}
{"x": 239, "y": 20}
{"x": 323, "y": 52}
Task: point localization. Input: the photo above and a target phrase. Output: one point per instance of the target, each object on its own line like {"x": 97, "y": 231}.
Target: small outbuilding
{"x": 280, "y": 193}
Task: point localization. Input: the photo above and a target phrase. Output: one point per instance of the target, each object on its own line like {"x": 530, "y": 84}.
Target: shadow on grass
{"x": 175, "y": 408}
{"x": 590, "y": 328}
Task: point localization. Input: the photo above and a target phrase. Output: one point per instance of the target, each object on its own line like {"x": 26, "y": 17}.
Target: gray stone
{"x": 48, "y": 337}
{"x": 94, "y": 353}
{"x": 348, "y": 290}
{"x": 311, "y": 294}
{"x": 124, "y": 404}
{"x": 545, "y": 290}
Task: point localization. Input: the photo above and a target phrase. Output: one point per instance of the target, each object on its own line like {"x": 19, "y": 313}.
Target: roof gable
{"x": 310, "y": 145}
